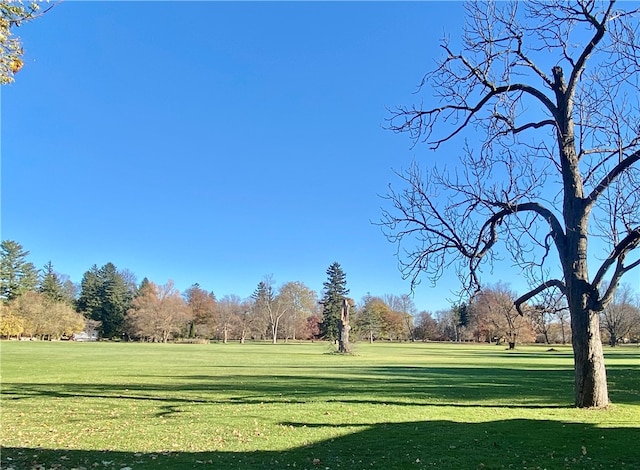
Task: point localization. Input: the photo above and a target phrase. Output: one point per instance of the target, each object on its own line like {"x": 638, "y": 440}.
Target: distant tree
{"x": 312, "y": 327}
{"x": 393, "y": 325}
{"x": 270, "y": 306}
{"x": 548, "y": 307}
{"x": 335, "y": 291}
{"x": 228, "y": 312}
{"x": 247, "y": 319}
{"x": 460, "y": 318}
{"x": 105, "y": 296}
{"x": 426, "y": 327}
{"x": 301, "y": 303}
{"x": 203, "y": 310}
{"x": 368, "y": 322}
{"x": 42, "y": 317}
{"x": 403, "y": 305}
{"x": 158, "y": 313}
{"x": 55, "y": 286}
{"x": 542, "y": 91}
{"x": 622, "y": 316}
{"x": 10, "y": 324}
{"x": 494, "y": 307}
{"x": 17, "y": 275}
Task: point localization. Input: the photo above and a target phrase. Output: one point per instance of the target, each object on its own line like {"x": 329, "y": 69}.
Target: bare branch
{"x": 618, "y": 255}
{"x": 622, "y": 166}
{"x": 532, "y": 293}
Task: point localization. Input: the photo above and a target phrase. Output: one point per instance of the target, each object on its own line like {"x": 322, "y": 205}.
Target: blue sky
{"x": 217, "y": 142}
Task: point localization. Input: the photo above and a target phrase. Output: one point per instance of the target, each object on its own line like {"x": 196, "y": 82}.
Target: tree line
{"x": 45, "y": 304}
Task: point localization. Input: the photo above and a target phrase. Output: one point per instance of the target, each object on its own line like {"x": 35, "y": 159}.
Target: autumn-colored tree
{"x": 44, "y": 318}
{"x": 311, "y": 328}
{"x": 203, "y": 311}
{"x": 494, "y": 313}
{"x": 403, "y": 305}
{"x": 12, "y": 15}
{"x": 11, "y": 325}
{"x": 426, "y": 327}
{"x": 158, "y": 313}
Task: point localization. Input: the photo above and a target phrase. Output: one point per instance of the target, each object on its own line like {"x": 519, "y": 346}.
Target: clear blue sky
{"x": 216, "y": 142}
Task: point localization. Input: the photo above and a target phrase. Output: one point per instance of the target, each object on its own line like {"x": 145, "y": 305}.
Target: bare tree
{"x": 228, "y": 311}
{"x": 622, "y": 315}
{"x": 270, "y": 306}
{"x": 545, "y": 92}
{"x": 246, "y": 319}
{"x": 550, "y": 305}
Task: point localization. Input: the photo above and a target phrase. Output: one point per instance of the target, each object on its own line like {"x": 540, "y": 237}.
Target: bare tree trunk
{"x": 274, "y": 330}
{"x": 590, "y": 373}
{"x": 344, "y": 328}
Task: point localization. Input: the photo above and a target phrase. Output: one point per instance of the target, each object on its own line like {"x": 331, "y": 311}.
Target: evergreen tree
{"x": 370, "y": 317}
{"x": 52, "y": 286}
{"x": 89, "y": 299}
{"x": 460, "y": 317}
{"x": 105, "y": 297}
{"x": 17, "y": 275}
{"x": 335, "y": 291}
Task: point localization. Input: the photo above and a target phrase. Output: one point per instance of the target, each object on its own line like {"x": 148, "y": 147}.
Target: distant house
{"x": 91, "y": 335}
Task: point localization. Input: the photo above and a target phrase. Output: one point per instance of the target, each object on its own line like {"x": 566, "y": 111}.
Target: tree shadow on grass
{"x": 398, "y": 385}
{"x": 518, "y": 443}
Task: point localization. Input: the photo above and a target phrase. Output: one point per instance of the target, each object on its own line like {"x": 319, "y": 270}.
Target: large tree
{"x": 335, "y": 291}
{"x": 203, "y": 310}
{"x": 545, "y": 93}
{"x": 17, "y": 275}
{"x": 42, "y": 317}
{"x": 105, "y": 296}
{"x": 158, "y": 313}
{"x": 302, "y": 303}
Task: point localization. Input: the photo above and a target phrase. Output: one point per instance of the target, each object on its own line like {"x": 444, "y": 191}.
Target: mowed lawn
{"x": 390, "y": 406}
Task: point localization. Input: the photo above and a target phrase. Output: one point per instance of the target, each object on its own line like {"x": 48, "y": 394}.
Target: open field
{"x": 390, "y": 406}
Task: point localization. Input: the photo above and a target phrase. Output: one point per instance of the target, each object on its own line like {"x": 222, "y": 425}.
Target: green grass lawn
{"x": 390, "y": 406}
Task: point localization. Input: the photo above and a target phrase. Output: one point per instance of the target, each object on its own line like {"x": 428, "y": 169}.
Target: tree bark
{"x": 590, "y": 373}
{"x": 344, "y": 328}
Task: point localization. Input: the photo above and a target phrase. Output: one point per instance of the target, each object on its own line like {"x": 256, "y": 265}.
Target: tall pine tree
{"x": 335, "y": 291}
{"x": 105, "y": 297}
{"x": 54, "y": 287}
{"x": 17, "y": 275}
